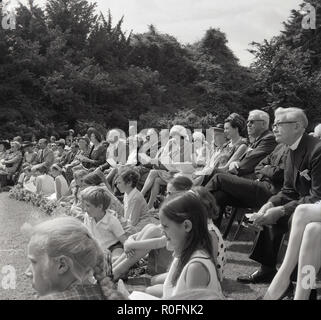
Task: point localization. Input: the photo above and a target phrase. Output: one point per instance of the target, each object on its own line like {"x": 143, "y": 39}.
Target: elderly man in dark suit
{"x": 45, "y": 156}
{"x": 262, "y": 144}
{"x": 302, "y": 184}
{"x": 253, "y": 193}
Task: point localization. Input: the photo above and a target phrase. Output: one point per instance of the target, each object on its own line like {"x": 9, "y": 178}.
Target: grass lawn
{"x": 13, "y": 251}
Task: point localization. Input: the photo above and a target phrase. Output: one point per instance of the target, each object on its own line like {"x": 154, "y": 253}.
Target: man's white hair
{"x": 198, "y": 135}
{"x": 317, "y": 131}
{"x": 261, "y": 115}
{"x": 293, "y": 114}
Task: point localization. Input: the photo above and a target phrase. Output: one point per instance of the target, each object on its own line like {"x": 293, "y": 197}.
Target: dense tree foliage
{"x": 67, "y": 66}
{"x": 288, "y": 67}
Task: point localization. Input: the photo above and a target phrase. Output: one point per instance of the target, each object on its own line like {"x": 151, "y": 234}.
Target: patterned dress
{"x": 221, "y": 254}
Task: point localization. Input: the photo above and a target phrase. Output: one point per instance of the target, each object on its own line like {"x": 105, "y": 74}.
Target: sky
{"x": 243, "y": 21}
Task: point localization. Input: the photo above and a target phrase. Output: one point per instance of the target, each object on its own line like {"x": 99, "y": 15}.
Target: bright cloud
{"x": 243, "y": 21}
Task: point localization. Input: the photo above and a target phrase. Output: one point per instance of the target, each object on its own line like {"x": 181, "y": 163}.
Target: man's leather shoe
{"x": 313, "y": 295}
{"x": 258, "y": 276}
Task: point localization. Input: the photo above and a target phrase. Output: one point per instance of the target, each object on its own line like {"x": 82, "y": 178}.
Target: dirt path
{"x": 13, "y": 252}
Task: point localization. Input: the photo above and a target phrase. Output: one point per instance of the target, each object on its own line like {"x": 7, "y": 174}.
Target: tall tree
{"x": 288, "y": 67}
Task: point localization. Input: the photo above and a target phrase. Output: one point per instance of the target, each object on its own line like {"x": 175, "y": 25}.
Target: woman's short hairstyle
{"x": 92, "y": 179}
{"x": 198, "y": 136}
{"x": 130, "y": 176}
{"x": 181, "y": 183}
{"x": 97, "y": 196}
{"x": 180, "y": 130}
{"x": 17, "y": 144}
{"x": 86, "y": 139}
{"x": 95, "y": 132}
{"x": 61, "y": 144}
{"x": 187, "y": 206}
{"x": 293, "y": 114}
{"x": 237, "y": 121}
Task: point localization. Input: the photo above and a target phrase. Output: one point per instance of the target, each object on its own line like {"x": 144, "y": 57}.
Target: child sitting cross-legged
{"x": 149, "y": 238}
{"x": 218, "y": 245}
{"x": 104, "y": 226}
{"x": 184, "y": 223}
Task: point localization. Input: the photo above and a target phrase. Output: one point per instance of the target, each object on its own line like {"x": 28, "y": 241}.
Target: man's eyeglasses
{"x": 278, "y": 124}
{"x": 253, "y": 121}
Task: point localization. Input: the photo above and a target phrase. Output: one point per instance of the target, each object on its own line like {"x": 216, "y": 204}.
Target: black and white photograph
{"x": 160, "y": 150}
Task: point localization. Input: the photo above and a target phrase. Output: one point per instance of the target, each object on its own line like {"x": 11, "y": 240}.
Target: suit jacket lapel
{"x": 254, "y": 144}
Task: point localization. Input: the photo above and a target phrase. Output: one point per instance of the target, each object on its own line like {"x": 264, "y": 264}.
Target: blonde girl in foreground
{"x": 67, "y": 263}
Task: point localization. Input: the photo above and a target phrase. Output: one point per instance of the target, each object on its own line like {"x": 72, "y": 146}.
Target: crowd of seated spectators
{"x": 127, "y": 198}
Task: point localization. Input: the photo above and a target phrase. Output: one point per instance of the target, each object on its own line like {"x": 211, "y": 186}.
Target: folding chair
{"x": 240, "y": 223}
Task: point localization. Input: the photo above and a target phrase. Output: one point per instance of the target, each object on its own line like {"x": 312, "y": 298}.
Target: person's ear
{"x": 298, "y": 126}
{"x": 187, "y": 225}
{"x": 63, "y": 264}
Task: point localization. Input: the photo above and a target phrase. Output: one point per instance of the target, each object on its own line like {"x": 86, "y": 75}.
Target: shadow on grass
{"x": 248, "y": 263}
{"x": 233, "y": 286}
{"x": 244, "y": 234}
{"x": 240, "y": 247}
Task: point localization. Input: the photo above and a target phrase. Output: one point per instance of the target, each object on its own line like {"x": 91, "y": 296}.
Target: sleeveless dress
{"x": 221, "y": 254}
{"x": 46, "y": 184}
{"x": 64, "y": 187}
{"x": 181, "y": 285}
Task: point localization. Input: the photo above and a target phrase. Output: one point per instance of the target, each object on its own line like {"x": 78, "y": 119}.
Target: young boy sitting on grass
{"x": 103, "y": 225}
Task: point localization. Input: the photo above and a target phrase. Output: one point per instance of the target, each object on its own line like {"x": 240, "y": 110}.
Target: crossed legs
{"x": 152, "y": 182}
{"x": 303, "y": 246}
{"x": 310, "y": 255}
{"x": 152, "y": 175}
{"x": 124, "y": 262}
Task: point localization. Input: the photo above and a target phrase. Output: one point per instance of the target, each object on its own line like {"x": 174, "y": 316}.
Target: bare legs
{"x": 310, "y": 259}
{"x": 157, "y": 284}
{"x": 123, "y": 263}
{"x": 155, "y": 191}
{"x": 152, "y": 182}
{"x": 303, "y": 215}
{"x": 117, "y": 253}
{"x": 110, "y": 176}
{"x": 152, "y": 175}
